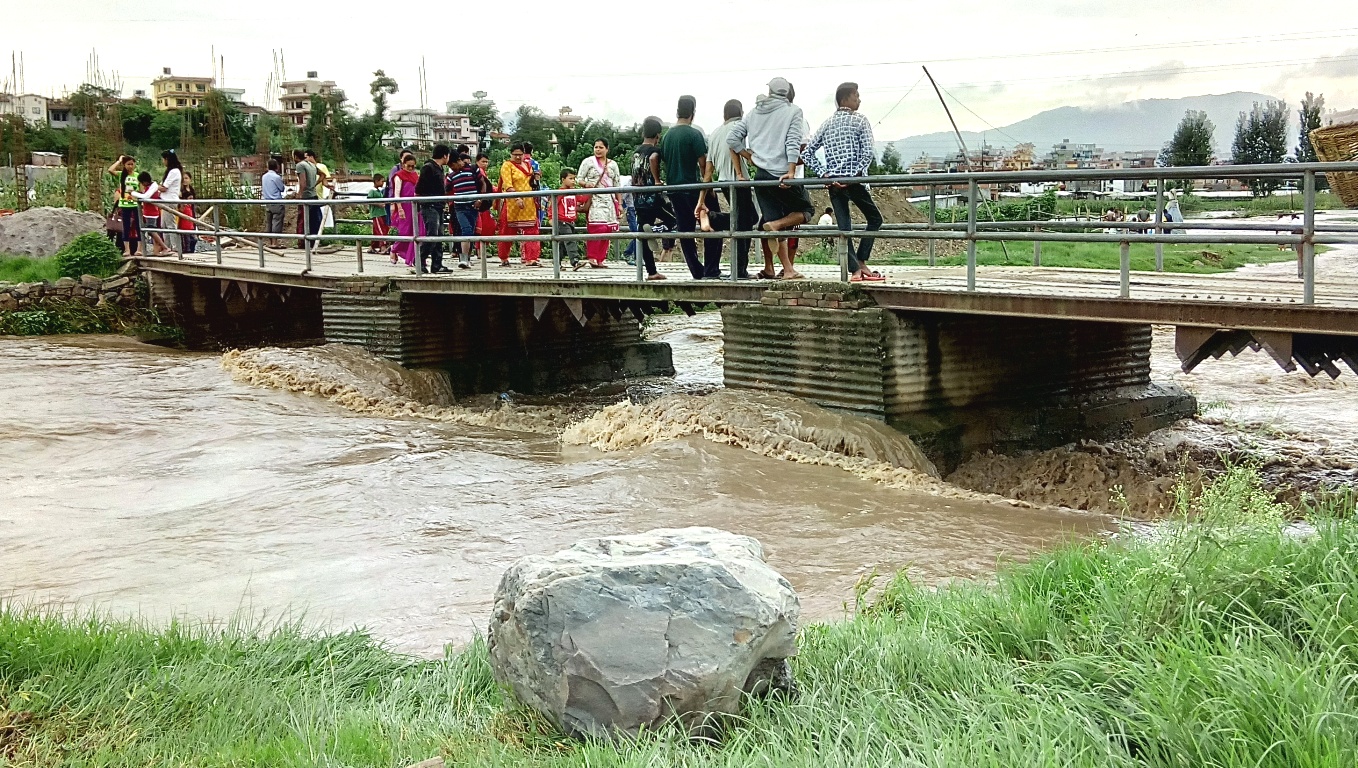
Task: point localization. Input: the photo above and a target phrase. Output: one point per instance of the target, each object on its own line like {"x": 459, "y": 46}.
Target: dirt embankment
{"x": 896, "y": 208}
{"x": 41, "y": 232}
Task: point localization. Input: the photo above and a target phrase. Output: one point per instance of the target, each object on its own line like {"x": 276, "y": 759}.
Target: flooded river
{"x": 143, "y": 481}
{"x": 328, "y": 485}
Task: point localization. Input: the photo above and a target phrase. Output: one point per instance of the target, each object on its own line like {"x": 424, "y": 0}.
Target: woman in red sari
{"x": 519, "y": 215}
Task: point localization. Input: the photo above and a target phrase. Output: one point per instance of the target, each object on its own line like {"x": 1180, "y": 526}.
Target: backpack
{"x": 641, "y": 177}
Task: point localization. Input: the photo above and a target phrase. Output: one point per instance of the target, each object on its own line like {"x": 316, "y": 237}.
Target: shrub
{"x": 89, "y": 254}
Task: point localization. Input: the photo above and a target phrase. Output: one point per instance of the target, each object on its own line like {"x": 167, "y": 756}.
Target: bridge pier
{"x": 494, "y": 343}
{"x": 217, "y": 313}
{"x": 956, "y": 383}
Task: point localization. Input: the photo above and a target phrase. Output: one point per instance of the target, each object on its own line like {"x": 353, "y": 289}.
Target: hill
{"x": 1145, "y": 124}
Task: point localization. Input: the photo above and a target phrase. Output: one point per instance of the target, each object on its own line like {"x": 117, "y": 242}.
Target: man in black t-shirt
{"x": 652, "y": 207}
{"x": 431, "y": 212}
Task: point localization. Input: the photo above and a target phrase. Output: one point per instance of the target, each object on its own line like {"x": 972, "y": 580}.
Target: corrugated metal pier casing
{"x": 830, "y": 357}
{"x": 492, "y": 343}
{"x": 938, "y": 363}
{"x": 385, "y": 325}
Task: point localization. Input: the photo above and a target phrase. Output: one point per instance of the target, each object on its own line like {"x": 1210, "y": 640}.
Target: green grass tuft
{"x": 1227, "y": 642}
{"x": 22, "y": 269}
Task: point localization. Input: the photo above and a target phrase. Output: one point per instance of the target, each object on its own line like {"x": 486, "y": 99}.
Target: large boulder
{"x": 620, "y": 634}
{"x": 41, "y": 232}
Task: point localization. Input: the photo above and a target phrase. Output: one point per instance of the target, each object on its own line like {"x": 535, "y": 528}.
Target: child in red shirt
{"x": 567, "y": 212}
{"x": 150, "y": 212}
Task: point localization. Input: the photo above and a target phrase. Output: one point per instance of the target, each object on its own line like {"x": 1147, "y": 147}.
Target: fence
{"x": 1303, "y": 236}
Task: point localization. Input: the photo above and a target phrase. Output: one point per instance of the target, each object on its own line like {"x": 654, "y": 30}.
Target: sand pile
{"x": 41, "y": 232}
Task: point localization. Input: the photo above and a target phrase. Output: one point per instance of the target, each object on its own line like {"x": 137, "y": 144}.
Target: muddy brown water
{"x": 140, "y": 481}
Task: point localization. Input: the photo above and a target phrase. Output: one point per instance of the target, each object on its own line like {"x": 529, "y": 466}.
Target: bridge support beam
{"x": 216, "y": 313}
{"x": 494, "y": 343}
{"x": 956, "y": 383}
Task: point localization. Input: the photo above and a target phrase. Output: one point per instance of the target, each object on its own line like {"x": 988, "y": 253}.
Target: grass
{"x": 1228, "y": 643}
{"x": 22, "y": 269}
{"x": 1178, "y": 258}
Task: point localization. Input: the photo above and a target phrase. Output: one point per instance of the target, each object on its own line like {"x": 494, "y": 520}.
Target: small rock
{"x": 433, "y": 762}
{"x": 620, "y": 634}
{"x": 65, "y": 282}
{"x": 90, "y": 281}
{"x": 8, "y": 302}
{"x": 116, "y": 282}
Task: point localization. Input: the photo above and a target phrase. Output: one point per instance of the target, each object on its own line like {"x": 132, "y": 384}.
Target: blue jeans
{"x": 631, "y": 253}
{"x": 466, "y": 227}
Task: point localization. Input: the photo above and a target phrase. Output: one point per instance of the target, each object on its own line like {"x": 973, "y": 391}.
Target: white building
{"x": 295, "y": 101}
{"x": 30, "y": 106}
{"x": 424, "y": 127}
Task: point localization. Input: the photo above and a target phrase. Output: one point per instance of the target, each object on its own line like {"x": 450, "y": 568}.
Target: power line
{"x": 898, "y": 101}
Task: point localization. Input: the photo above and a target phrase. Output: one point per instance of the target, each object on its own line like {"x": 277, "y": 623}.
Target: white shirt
{"x": 719, "y": 155}
{"x": 169, "y": 189}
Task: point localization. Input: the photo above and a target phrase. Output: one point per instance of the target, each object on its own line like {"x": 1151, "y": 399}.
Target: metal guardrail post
{"x": 261, "y": 252}
{"x": 555, "y": 245}
{"x": 415, "y": 238}
{"x": 972, "y": 194}
{"x": 1308, "y": 245}
{"x": 216, "y": 231}
{"x": 1125, "y": 269}
{"x": 305, "y": 213}
{"x": 842, "y": 248}
{"x": 933, "y": 219}
{"x": 359, "y": 255}
{"x": 735, "y": 244}
{"x": 1159, "y": 219}
{"x": 1037, "y": 249}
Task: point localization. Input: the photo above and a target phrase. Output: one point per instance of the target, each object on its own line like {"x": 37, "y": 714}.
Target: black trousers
{"x": 659, "y": 213}
{"x": 432, "y": 216}
{"x": 315, "y": 215}
{"x": 746, "y": 218}
{"x": 710, "y": 266}
{"x": 859, "y": 195}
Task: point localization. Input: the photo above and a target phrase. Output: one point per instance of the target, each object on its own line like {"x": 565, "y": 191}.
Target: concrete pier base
{"x": 215, "y": 314}
{"x": 956, "y": 383}
{"x": 491, "y": 343}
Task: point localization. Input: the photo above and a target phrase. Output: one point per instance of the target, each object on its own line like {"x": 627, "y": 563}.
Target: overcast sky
{"x": 1000, "y": 60}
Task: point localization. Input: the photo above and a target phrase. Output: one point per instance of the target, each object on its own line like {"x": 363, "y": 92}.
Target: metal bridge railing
{"x": 1303, "y": 236}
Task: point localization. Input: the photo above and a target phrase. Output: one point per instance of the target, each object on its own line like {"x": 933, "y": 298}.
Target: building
{"x": 295, "y": 101}
{"x": 423, "y": 127}
{"x": 30, "y": 106}
{"x": 234, "y": 95}
{"x": 59, "y": 115}
{"x": 171, "y": 92}
{"x": 1069, "y": 155}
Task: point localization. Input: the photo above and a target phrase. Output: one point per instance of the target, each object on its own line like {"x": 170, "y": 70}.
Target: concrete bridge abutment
{"x": 216, "y": 313}
{"x": 956, "y": 383}
{"x": 494, "y": 343}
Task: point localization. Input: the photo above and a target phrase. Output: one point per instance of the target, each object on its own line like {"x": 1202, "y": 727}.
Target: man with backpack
{"x": 653, "y": 210}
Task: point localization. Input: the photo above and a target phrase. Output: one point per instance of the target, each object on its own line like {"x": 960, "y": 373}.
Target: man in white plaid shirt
{"x": 847, "y": 140}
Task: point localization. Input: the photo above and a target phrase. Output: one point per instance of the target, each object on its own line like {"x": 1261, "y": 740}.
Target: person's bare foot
{"x": 791, "y": 275}
{"x": 656, "y": 276}
{"x": 704, "y": 223}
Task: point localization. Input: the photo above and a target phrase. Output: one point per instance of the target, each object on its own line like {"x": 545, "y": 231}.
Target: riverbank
{"x": 1231, "y": 643}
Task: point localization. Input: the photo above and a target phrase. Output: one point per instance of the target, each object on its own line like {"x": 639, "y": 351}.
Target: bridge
{"x": 961, "y": 357}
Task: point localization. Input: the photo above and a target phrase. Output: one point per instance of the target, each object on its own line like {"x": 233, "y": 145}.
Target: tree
{"x": 166, "y": 128}
{"x": 1308, "y": 118}
{"x": 891, "y": 160}
{"x": 381, "y": 87}
{"x": 482, "y": 114}
{"x": 137, "y": 115}
{"x": 534, "y": 126}
{"x": 1261, "y": 138}
{"x": 1191, "y": 144}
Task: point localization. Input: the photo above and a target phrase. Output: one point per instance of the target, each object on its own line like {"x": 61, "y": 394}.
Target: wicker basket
{"x": 1338, "y": 144}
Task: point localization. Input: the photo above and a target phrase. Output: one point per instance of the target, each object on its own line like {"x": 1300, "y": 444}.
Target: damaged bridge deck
{"x": 1258, "y": 308}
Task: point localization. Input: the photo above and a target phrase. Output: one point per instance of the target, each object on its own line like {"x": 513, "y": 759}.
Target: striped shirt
{"x": 462, "y": 182}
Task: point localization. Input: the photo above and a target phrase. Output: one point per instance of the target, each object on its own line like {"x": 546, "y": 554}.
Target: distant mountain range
{"x": 1145, "y": 124}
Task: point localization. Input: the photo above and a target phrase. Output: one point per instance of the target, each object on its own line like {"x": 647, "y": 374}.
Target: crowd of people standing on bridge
{"x": 772, "y": 142}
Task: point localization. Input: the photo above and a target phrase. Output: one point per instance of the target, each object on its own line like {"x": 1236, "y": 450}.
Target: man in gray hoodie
{"x": 771, "y": 138}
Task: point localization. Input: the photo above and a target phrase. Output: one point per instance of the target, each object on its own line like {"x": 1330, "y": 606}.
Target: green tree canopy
{"x": 1191, "y": 144}
{"x": 1260, "y": 138}
{"x": 891, "y": 160}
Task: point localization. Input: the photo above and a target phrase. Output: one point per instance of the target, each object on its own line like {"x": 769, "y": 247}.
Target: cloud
{"x": 1342, "y": 67}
